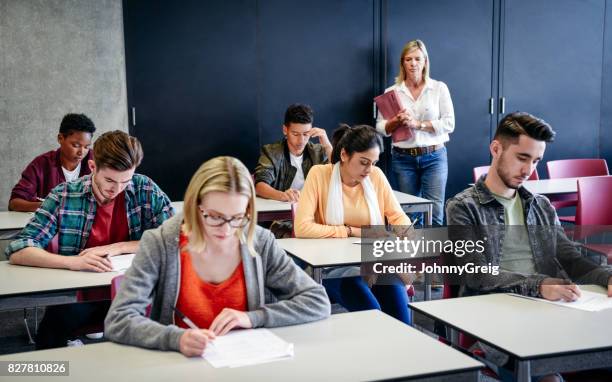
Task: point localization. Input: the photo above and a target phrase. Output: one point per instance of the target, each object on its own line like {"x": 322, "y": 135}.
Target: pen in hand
{"x": 189, "y": 323}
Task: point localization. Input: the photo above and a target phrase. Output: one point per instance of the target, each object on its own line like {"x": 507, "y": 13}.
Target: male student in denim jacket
{"x": 535, "y": 256}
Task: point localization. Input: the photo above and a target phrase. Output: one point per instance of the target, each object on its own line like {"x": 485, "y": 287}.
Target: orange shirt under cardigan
{"x": 202, "y": 301}
{"x": 310, "y": 217}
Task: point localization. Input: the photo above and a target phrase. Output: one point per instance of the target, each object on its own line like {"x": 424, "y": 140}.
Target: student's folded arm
{"x": 304, "y": 224}
{"x": 299, "y": 298}
{"x": 462, "y": 226}
{"x": 446, "y": 123}
{"x": 39, "y": 231}
{"x": 126, "y": 321}
{"x": 264, "y": 171}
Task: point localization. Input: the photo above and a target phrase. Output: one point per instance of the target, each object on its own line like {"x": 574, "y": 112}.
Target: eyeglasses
{"x": 218, "y": 221}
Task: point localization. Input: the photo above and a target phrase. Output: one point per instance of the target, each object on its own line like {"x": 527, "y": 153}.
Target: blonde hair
{"x": 409, "y": 47}
{"x": 222, "y": 174}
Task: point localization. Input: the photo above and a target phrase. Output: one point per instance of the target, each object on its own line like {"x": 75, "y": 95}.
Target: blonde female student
{"x": 213, "y": 265}
{"x": 339, "y": 198}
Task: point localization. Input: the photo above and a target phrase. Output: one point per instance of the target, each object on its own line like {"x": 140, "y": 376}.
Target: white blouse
{"x": 434, "y": 104}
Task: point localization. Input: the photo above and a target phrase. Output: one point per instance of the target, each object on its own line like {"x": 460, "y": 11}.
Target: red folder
{"x": 390, "y": 105}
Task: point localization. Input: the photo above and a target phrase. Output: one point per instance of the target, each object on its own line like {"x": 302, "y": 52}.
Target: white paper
{"x": 122, "y": 262}
{"x": 247, "y": 347}
{"x": 589, "y": 301}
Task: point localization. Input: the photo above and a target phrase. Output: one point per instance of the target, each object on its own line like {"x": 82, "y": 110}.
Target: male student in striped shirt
{"x": 99, "y": 215}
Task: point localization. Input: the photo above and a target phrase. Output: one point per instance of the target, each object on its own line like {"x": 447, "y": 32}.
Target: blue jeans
{"x": 425, "y": 176}
{"x": 354, "y": 294}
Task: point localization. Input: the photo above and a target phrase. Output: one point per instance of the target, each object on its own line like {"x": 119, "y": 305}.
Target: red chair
{"x": 481, "y": 170}
{"x": 573, "y": 168}
{"x": 594, "y": 208}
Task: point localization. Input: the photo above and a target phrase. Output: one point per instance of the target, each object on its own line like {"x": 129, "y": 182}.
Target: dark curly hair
{"x": 76, "y": 122}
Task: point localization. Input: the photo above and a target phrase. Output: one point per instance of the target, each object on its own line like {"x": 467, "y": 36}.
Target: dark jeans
{"x": 62, "y": 322}
{"x": 424, "y": 176}
{"x": 354, "y": 294}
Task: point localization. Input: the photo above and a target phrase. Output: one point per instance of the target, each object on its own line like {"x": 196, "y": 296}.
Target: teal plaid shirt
{"x": 70, "y": 208}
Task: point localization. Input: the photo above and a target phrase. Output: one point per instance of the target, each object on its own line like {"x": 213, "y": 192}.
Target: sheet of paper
{"x": 122, "y": 262}
{"x": 247, "y": 347}
{"x": 589, "y": 301}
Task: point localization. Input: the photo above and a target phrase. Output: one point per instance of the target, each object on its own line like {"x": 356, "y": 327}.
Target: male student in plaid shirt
{"x": 99, "y": 215}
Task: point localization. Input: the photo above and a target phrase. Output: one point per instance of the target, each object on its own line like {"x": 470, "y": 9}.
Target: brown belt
{"x": 416, "y": 151}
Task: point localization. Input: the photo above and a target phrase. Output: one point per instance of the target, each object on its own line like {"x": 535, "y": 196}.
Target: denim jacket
{"x": 274, "y": 166}
{"x": 476, "y": 212}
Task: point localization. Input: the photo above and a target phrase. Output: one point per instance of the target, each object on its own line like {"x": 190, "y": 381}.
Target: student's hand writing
{"x": 291, "y": 195}
{"x": 90, "y": 261}
{"x": 558, "y": 289}
{"x": 229, "y": 319}
{"x": 194, "y": 341}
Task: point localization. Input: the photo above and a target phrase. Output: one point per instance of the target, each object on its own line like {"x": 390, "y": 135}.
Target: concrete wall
{"x": 56, "y": 57}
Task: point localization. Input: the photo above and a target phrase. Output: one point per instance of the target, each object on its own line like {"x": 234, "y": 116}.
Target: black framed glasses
{"x": 218, "y": 221}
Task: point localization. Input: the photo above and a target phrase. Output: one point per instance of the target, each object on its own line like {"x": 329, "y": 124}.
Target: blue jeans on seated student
{"x": 354, "y": 294}
{"x": 424, "y": 176}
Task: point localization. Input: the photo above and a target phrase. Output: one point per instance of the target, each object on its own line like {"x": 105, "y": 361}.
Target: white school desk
{"x": 19, "y": 280}
{"x": 269, "y": 210}
{"x": 543, "y": 337}
{"x": 359, "y": 346}
{"x": 339, "y": 252}
{"x": 12, "y": 222}
{"x": 552, "y": 186}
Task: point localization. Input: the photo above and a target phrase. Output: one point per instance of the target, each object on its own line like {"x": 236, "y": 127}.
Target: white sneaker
{"x": 95, "y": 336}
{"x": 76, "y": 342}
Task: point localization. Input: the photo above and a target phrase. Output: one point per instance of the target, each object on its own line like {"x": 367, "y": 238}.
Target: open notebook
{"x": 589, "y": 301}
{"x": 122, "y": 262}
{"x": 247, "y": 347}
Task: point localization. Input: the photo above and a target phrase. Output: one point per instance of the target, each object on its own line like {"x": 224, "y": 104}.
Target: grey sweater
{"x": 279, "y": 293}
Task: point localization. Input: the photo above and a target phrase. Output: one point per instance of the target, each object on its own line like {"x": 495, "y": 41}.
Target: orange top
{"x": 310, "y": 217}
{"x": 202, "y": 301}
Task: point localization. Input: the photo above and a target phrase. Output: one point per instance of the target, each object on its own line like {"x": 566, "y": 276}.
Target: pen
{"x": 185, "y": 319}
{"x": 188, "y": 321}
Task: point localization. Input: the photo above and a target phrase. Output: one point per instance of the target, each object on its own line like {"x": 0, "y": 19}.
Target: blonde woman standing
{"x": 419, "y": 163}
{"x": 214, "y": 265}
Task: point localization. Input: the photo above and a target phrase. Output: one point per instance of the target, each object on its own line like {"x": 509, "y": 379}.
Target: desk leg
{"x": 453, "y": 335}
{"x": 429, "y": 215}
{"x": 427, "y": 287}
{"x": 317, "y": 275}
{"x": 523, "y": 371}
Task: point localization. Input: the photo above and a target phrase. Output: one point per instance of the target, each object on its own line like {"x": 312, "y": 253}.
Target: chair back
{"x": 574, "y": 168}
{"x": 594, "y": 201}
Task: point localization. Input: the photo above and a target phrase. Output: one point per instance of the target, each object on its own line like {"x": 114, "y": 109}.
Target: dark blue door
{"x": 316, "y": 52}
{"x": 191, "y": 68}
{"x": 459, "y": 39}
{"x": 552, "y": 67}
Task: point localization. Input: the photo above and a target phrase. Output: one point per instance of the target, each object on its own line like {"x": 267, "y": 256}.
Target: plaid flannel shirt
{"x": 70, "y": 209}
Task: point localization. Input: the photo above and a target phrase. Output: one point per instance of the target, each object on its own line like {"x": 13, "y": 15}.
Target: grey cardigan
{"x": 279, "y": 293}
